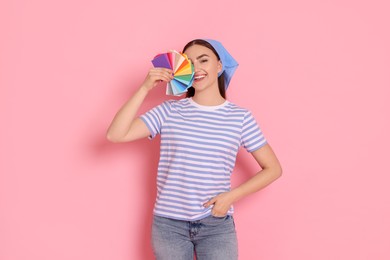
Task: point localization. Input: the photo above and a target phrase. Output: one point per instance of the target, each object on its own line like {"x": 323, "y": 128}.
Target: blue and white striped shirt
{"x": 198, "y": 152}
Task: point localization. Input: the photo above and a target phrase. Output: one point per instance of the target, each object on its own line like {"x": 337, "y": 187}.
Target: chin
{"x": 199, "y": 88}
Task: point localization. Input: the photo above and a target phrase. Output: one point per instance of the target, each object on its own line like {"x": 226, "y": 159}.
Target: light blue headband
{"x": 229, "y": 64}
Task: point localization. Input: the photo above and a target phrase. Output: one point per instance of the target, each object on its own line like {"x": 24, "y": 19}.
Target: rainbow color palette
{"x": 183, "y": 71}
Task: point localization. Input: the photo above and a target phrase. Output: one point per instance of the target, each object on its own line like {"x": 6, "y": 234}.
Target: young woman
{"x": 200, "y": 138}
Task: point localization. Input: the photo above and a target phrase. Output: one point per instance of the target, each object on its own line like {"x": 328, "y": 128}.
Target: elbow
{"x": 112, "y": 138}
{"x": 115, "y": 138}
{"x": 278, "y": 172}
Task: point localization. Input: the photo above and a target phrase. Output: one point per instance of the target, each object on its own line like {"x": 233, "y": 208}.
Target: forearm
{"x": 123, "y": 119}
{"x": 223, "y": 201}
{"x": 262, "y": 179}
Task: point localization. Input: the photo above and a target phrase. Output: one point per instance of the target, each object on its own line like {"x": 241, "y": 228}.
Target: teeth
{"x": 200, "y": 77}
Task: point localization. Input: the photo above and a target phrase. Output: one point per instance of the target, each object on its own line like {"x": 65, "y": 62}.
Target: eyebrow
{"x": 201, "y": 56}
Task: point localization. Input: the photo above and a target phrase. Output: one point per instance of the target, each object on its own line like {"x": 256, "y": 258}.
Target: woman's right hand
{"x": 156, "y": 75}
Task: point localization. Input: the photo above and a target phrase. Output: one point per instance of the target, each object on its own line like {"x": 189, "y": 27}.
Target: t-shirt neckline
{"x": 207, "y": 107}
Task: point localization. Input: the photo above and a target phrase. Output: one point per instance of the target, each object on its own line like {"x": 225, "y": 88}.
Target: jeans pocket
{"x": 215, "y": 221}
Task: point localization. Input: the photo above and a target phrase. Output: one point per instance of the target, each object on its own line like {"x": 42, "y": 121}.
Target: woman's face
{"x": 206, "y": 65}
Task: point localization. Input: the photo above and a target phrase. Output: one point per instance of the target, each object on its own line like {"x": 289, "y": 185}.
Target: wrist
{"x": 235, "y": 195}
{"x": 144, "y": 89}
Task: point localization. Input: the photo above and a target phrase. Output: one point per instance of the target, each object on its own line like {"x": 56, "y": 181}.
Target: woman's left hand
{"x": 221, "y": 202}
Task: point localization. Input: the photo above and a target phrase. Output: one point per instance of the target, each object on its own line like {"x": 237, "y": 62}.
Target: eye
{"x": 203, "y": 60}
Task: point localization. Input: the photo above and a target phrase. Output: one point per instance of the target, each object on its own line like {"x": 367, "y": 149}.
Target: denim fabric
{"x": 211, "y": 238}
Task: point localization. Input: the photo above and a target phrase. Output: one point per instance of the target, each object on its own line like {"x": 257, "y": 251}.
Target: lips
{"x": 199, "y": 77}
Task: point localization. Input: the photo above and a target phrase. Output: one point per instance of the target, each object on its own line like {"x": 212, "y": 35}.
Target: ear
{"x": 219, "y": 66}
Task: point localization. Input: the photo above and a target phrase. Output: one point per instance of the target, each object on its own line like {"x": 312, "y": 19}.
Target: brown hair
{"x": 221, "y": 78}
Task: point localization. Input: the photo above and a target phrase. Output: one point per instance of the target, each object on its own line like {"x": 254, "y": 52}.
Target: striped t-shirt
{"x": 198, "y": 151}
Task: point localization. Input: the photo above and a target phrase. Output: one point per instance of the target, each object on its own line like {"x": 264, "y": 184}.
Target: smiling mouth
{"x": 199, "y": 77}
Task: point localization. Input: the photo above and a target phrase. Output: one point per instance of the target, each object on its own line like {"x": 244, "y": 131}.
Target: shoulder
{"x": 245, "y": 115}
{"x": 170, "y": 106}
{"x": 232, "y": 107}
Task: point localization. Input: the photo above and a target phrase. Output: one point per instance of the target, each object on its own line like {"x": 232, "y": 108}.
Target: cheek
{"x": 214, "y": 68}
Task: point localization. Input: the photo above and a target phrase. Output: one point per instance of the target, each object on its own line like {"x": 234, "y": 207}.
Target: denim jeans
{"x": 211, "y": 238}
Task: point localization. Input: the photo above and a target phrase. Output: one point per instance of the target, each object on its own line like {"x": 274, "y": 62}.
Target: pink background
{"x": 314, "y": 73}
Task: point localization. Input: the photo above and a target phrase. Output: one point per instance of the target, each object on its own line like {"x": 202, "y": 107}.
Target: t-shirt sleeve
{"x": 252, "y": 137}
{"x": 155, "y": 118}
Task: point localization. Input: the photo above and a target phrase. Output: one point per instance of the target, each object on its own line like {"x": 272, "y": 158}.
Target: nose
{"x": 196, "y": 66}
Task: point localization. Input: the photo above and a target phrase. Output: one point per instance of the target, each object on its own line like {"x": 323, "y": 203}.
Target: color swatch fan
{"x": 183, "y": 71}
